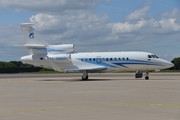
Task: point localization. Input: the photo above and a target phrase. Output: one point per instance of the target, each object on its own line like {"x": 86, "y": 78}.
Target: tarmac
{"x": 105, "y": 96}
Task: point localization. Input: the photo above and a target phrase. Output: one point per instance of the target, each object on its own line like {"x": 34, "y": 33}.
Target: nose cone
{"x": 166, "y": 64}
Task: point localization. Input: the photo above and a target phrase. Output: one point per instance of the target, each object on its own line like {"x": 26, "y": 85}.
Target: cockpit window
{"x": 156, "y": 56}
{"x": 153, "y": 56}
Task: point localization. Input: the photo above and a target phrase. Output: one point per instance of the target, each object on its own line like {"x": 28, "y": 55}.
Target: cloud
{"x": 137, "y": 22}
{"x": 59, "y": 22}
{"x": 90, "y": 31}
{"x": 169, "y": 25}
{"x": 10, "y": 35}
{"x": 50, "y": 6}
{"x": 174, "y": 14}
{"x": 127, "y": 27}
{"x": 76, "y": 27}
{"x": 138, "y": 14}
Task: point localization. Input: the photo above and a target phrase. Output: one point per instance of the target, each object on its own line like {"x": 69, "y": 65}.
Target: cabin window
{"x": 123, "y": 59}
{"x": 89, "y": 59}
{"x": 115, "y": 59}
{"x": 94, "y": 59}
{"x": 110, "y": 59}
{"x": 85, "y": 59}
{"x": 127, "y": 58}
{"x": 41, "y": 58}
{"x": 81, "y": 59}
{"x": 106, "y": 59}
{"x": 119, "y": 58}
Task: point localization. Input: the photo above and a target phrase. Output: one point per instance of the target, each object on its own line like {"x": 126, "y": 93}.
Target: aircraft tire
{"x": 147, "y": 77}
{"x": 85, "y": 78}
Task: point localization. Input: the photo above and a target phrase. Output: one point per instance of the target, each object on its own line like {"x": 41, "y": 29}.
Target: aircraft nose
{"x": 167, "y": 64}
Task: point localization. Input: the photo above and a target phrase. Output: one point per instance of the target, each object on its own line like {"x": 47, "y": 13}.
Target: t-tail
{"x": 36, "y": 45}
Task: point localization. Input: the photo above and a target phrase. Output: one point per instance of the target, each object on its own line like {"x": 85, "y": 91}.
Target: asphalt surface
{"x": 105, "y": 96}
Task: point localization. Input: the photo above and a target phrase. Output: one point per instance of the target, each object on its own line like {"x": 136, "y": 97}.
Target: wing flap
{"x": 89, "y": 69}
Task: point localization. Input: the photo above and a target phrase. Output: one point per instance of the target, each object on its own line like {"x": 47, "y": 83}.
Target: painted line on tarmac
{"x": 21, "y": 81}
{"x": 126, "y": 103}
{"x": 59, "y": 109}
{"x": 150, "y": 104}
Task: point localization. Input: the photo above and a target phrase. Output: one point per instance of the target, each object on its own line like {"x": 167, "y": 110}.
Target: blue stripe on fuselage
{"x": 121, "y": 63}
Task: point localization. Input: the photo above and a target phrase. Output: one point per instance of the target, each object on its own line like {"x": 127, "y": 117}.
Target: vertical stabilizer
{"x": 36, "y": 45}
{"x": 30, "y": 35}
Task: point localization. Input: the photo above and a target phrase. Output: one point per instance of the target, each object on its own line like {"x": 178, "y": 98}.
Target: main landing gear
{"x": 85, "y": 75}
{"x": 139, "y": 74}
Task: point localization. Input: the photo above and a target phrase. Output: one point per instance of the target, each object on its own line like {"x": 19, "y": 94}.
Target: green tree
{"x": 19, "y": 64}
{"x": 4, "y": 65}
{"x": 176, "y": 62}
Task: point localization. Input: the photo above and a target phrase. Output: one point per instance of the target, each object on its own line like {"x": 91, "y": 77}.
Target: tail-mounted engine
{"x": 60, "y": 49}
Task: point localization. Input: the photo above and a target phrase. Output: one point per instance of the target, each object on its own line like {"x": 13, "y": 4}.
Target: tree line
{"x": 176, "y": 62}
{"x": 19, "y": 67}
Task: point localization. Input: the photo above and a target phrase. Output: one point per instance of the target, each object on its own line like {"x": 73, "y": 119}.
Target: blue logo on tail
{"x": 31, "y": 35}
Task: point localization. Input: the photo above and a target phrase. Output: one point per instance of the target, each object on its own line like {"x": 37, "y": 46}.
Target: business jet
{"x": 63, "y": 58}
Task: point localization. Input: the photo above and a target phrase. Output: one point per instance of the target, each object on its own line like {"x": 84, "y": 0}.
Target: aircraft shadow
{"x": 74, "y": 80}
{"x": 80, "y": 80}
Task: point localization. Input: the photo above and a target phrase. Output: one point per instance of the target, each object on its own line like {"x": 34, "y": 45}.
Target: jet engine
{"x": 60, "y": 49}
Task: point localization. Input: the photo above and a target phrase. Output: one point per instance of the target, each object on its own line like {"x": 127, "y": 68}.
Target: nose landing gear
{"x": 147, "y": 77}
{"x": 139, "y": 74}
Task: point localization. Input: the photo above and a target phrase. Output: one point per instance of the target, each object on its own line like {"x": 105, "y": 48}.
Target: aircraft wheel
{"x": 147, "y": 78}
{"x": 86, "y": 78}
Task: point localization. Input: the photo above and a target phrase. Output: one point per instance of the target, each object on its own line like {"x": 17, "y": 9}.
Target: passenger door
{"x": 98, "y": 59}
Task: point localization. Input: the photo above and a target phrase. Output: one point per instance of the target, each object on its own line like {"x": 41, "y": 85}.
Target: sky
{"x": 93, "y": 25}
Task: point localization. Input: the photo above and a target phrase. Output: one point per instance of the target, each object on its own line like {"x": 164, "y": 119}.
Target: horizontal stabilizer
{"x": 30, "y": 46}
{"x": 34, "y": 48}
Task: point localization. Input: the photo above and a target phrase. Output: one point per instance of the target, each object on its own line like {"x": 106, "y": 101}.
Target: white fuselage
{"x": 125, "y": 61}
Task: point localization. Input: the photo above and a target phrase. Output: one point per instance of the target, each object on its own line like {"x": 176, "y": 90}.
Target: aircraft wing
{"x": 58, "y": 68}
{"x": 89, "y": 69}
